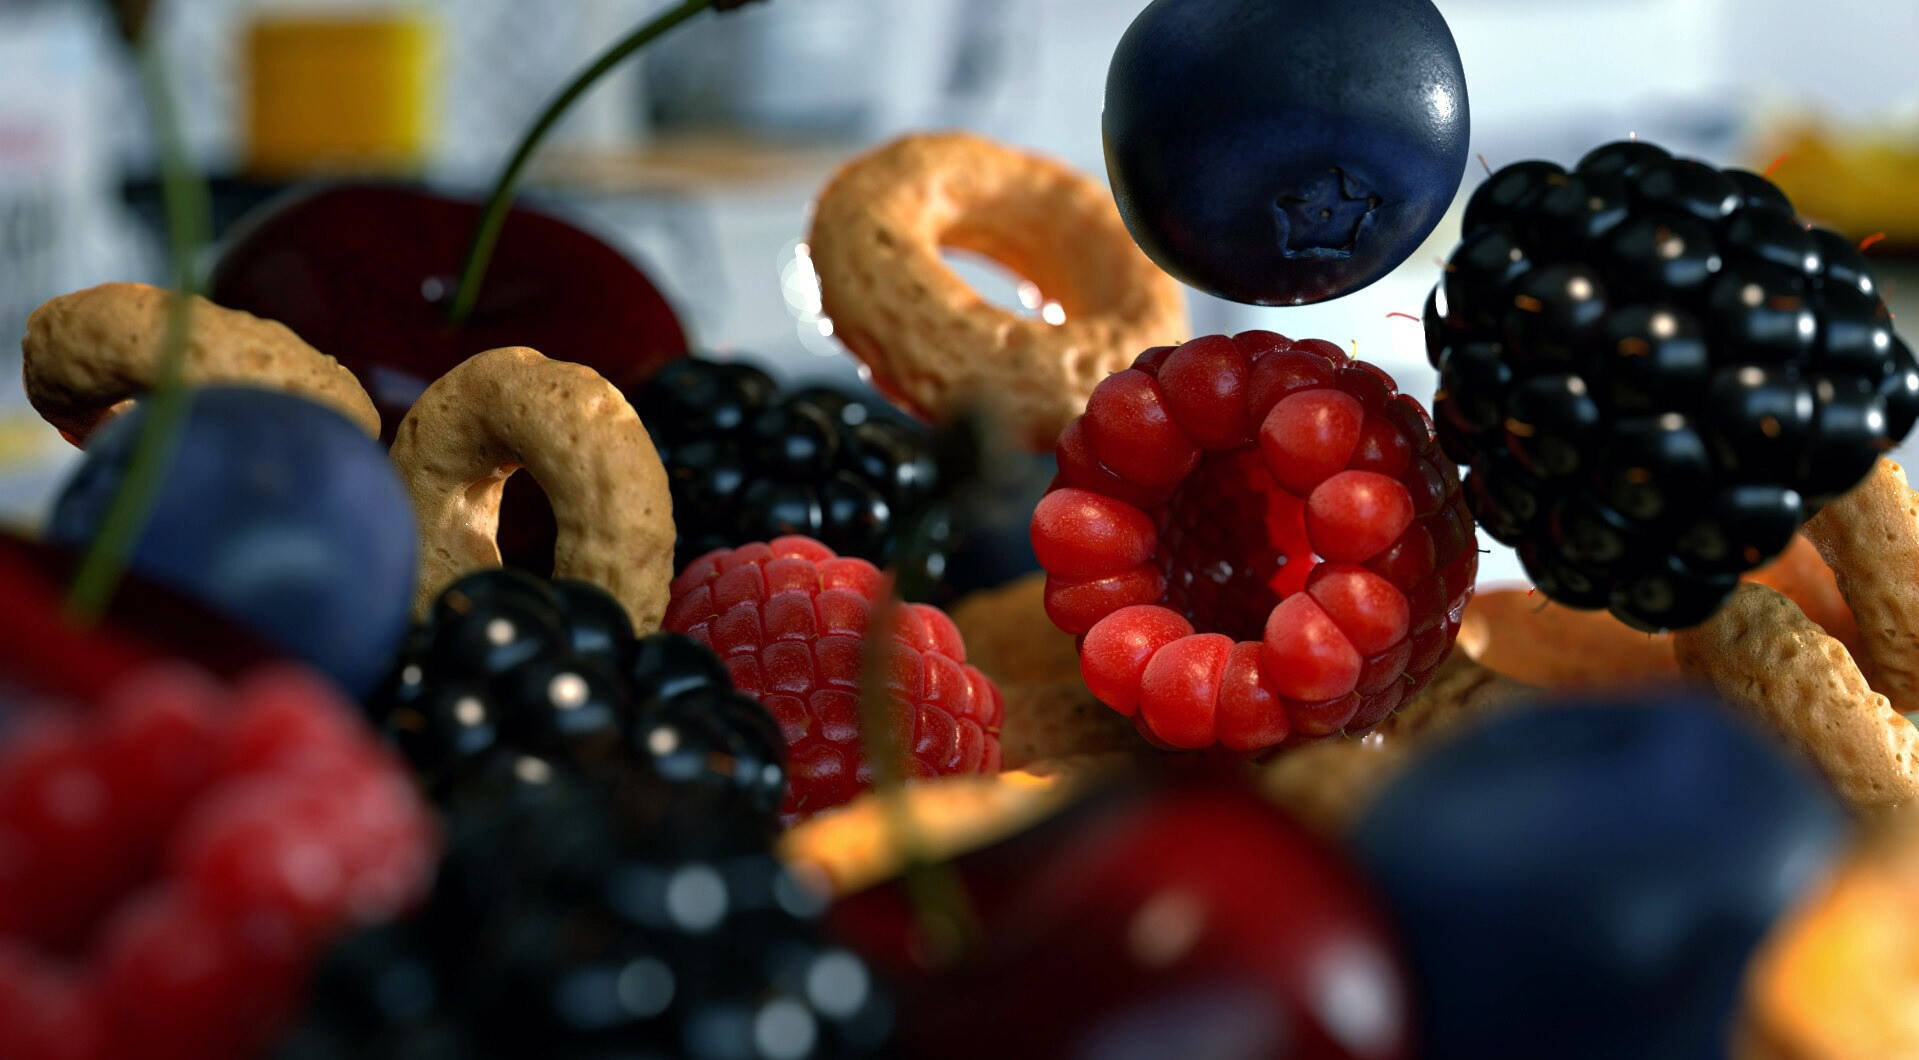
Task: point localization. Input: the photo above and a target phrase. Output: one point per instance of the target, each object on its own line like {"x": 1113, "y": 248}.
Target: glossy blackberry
{"x": 1654, "y": 373}
{"x": 510, "y": 669}
{"x": 558, "y": 929}
{"x": 749, "y": 462}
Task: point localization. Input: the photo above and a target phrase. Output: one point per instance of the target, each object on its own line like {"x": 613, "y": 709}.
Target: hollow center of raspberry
{"x": 1232, "y": 544}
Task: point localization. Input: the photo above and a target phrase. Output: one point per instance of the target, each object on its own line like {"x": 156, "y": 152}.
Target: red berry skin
{"x": 1075, "y": 606}
{"x": 1367, "y": 608}
{"x": 46, "y": 1013}
{"x": 1081, "y": 535}
{"x": 197, "y": 847}
{"x": 163, "y": 741}
{"x": 1204, "y": 383}
{"x": 181, "y": 980}
{"x": 1113, "y": 657}
{"x": 1132, "y": 433}
{"x": 1179, "y": 692}
{"x": 1355, "y": 515}
{"x": 791, "y": 622}
{"x": 1098, "y": 925}
{"x": 63, "y": 836}
{"x": 1250, "y": 717}
{"x": 1333, "y": 539}
{"x": 1306, "y": 656}
{"x": 1282, "y": 373}
{"x": 1309, "y": 437}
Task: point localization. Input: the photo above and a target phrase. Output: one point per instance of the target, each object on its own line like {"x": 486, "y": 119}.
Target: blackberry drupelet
{"x": 1656, "y": 373}
{"x": 510, "y": 669}
{"x": 558, "y": 929}
{"x": 748, "y": 462}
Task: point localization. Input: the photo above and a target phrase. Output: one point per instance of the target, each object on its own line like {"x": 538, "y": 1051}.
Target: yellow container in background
{"x": 346, "y": 92}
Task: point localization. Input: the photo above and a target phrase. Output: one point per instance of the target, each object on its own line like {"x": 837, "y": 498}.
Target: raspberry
{"x": 789, "y": 618}
{"x": 1655, "y": 373}
{"x": 1258, "y": 541}
{"x": 170, "y": 862}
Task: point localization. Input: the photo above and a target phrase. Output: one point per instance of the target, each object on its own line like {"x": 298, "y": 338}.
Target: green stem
{"x": 480, "y": 253}
{"x": 947, "y": 921}
{"x": 187, "y": 212}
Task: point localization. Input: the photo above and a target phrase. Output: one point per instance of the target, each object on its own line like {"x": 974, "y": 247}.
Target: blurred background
{"x": 701, "y": 158}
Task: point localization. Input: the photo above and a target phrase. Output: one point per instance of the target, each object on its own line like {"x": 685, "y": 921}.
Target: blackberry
{"x": 749, "y": 462}
{"x": 1655, "y": 373}
{"x": 510, "y": 669}
{"x": 557, "y": 929}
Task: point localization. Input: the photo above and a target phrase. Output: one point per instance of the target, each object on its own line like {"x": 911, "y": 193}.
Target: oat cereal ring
{"x": 856, "y": 845}
{"x": 928, "y": 337}
{"x": 90, "y": 352}
{"x": 1327, "y": 783}
{"x": 1764, "y": 656}
{"x": 1836, "y": 980}
{"x": 576, "y": 435}
{"x": 1528, "y": 637}
{"x": 1870, "y": 538}
{"x": 1008, "y": 635}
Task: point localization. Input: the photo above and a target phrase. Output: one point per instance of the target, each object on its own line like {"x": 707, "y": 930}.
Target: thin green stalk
{"x": 185, "y": 198}
{"x": 947, "y": 921}
{"x": 480, "y": 253}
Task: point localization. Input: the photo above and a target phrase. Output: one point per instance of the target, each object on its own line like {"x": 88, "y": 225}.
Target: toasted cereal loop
{"x": 576, "y": 435}
{"x": 1763, "y": 655}
{"x": 928, "y": 336}
{"x": 1059, "y": 719}
{"x": 1870, "y": 538}
{"x": 855, "y": 846}
{"x": 1836, "y": 980}
{"x": 1525, "y": 636}
{"x": 1328, "y": 783}
{"x": 90, "y": 352}
{"x": 1802, "y": 574}
{"x": 1008, "y": 635}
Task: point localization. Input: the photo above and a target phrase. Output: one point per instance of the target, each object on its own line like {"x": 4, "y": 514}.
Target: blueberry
{"x": 1282, "y": 152}
{"x": 1596, "y": 874}
{"x": 275, "y": 511}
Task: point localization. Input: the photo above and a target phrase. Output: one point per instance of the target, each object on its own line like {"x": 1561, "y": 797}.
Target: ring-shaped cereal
{"x": 928, "y": 336}
{"x": 88, "y": 353}
{"x": 576, "y": 435}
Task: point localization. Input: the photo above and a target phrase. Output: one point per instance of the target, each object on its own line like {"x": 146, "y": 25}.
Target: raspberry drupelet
{"x": 789, "y": 619}
{"x": 1257, "y": 541}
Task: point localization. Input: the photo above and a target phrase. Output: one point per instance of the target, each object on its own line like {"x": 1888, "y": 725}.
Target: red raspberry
{"x": 789, "y": 618}
{"x": 1257, "y": 540}
{"x": 171, "y": 862}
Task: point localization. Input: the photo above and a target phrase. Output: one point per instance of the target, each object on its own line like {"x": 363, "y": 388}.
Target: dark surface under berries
{"x": 512, "y": 665}
{"x": 748, "y": 461}
{"x": 1657, "y": 373}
